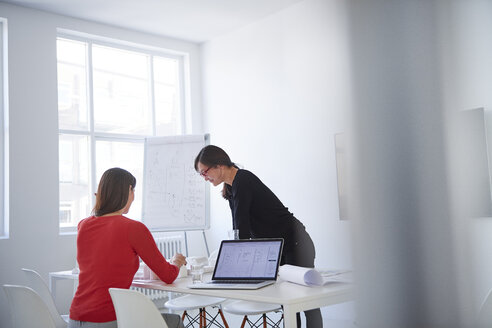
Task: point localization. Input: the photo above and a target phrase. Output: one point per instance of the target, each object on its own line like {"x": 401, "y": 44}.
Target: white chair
{"x": 193, "y": 302}
{"x": 134, "y": 309}
{"x": 485, "y": 313}
{"x": 27, "y": 308}
{"x": 37, "y": 283}
{"x": 247, "y": 308}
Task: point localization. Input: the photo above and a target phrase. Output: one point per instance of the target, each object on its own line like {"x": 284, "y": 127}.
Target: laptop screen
{"x": 255, "y": 259}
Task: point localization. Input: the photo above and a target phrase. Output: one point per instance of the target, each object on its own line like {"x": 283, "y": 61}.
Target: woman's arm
{"x": 144, "y": 245}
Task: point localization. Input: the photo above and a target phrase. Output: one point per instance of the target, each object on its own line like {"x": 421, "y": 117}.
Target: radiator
{"x": 168, "y": 245}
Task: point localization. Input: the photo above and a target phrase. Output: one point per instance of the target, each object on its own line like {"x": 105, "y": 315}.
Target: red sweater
{"x": 107, "y": 252}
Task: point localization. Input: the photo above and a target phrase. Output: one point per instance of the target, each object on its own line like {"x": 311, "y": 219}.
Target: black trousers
{"x": 302, "y": 253}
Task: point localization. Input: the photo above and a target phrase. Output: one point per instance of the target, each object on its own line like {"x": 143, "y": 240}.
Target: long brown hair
{"x": 212, "y": 156}
{"x": 113, "y": 191}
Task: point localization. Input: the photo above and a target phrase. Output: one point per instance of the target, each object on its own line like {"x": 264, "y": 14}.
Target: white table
{"x": 294, "y": 298}
{"x": 60, "y": 275}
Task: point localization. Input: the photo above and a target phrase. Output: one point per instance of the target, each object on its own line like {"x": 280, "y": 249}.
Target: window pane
{"x": 72, "y": 85}
{"x": 128, "y": 156}
{"x": 119, "y": 61}
{"x": 167, "y": 96}
{"x": 121, "y": 92}
{"x": 166, "y": 70}
{"x": 71, "y": 51}
{"x": 75, "y": 198}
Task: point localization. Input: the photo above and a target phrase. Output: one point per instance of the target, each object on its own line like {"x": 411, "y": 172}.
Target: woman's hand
{"x": 178, "y": 260}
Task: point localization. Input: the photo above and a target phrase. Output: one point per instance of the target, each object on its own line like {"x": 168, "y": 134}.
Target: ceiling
{"x": 191, "y": 20}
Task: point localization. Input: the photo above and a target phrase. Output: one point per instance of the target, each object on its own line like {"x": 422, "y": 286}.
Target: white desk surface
{"x": 64, "y": 275}
{"x": 294, "y": 298}
{"x": 281, "y": 292}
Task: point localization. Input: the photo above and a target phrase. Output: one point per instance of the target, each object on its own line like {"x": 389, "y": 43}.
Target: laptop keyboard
{"x": 236, "y": 281}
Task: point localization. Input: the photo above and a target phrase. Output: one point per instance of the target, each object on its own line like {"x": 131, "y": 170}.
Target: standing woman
{"x": 258, "y": 213}
{"x": 108, "y": 248}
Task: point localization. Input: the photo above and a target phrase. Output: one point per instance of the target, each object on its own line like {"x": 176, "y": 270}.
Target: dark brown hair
{"x": 212, "y": 156}
{"x": 113, "y": 191}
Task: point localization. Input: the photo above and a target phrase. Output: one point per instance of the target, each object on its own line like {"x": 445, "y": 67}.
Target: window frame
{"x": 4, "y": 131}
{"x": 91, "y": 40}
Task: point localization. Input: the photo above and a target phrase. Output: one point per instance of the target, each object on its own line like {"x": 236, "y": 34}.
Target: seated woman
{"x": 108, "y": 249}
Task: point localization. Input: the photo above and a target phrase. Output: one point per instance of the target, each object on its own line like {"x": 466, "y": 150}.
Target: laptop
{"x": 245, "y": 264}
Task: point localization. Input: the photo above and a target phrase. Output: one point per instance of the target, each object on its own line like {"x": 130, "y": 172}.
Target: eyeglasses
{"x": 204, "y": 173}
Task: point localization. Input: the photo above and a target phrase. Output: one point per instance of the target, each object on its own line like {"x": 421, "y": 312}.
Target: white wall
{"x": 34, "y": 240}
{"x": 275, "y": 93}
{"x": 468, "y": 80}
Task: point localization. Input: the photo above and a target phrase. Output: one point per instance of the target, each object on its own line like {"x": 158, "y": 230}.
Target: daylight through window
{"x": 109, "y": 99}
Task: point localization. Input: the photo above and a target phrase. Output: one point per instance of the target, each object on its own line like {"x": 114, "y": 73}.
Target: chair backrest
{"x": 485, "y": 313}
{"x": 27, "y": 308}
{"x": 134, "y": 309}
{"x": 37, "y": 283}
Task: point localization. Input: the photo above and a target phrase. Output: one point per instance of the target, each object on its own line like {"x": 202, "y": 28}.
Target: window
{"x": 110, "y": 97}
{"x": 4, "y": 167}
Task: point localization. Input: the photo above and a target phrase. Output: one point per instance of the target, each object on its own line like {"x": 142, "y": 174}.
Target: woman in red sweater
{"x": 108, "y": 249}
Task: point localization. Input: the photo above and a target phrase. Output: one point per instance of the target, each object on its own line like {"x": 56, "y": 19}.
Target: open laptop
{"x": 245, "y": 264}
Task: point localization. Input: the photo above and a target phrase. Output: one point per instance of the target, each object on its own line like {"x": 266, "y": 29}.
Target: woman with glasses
{"x": 258, "y": 213}
{"x": 108, "y": 249}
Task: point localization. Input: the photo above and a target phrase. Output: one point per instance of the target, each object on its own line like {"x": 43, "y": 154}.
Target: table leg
{"x": 52, "y": 285}
{"x": 170, "y": 296}
{"x": 290, "y": 320}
